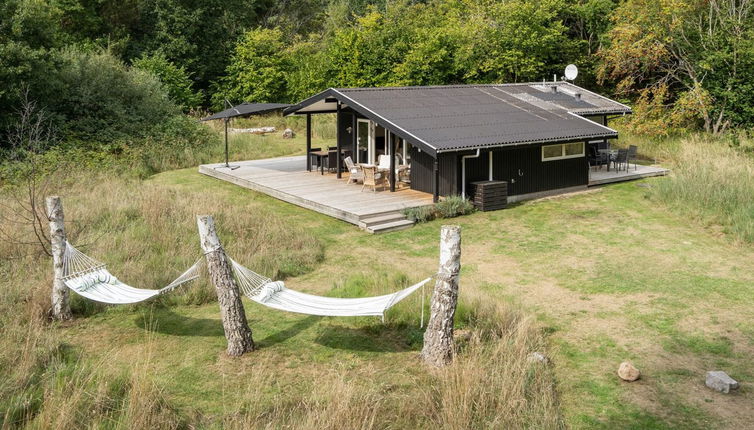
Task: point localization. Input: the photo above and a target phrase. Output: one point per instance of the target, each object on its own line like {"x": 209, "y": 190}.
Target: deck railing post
{"x": 308, "y": 142}
{"x": 337, "y": 144}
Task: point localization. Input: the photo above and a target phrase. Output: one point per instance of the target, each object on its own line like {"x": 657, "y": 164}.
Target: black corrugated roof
{"x": 245, "y": 109}
{"x": 459, "y": 117}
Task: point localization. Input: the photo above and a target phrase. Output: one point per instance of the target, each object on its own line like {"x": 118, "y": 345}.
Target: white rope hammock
{"x": 91, "y": 279}
{"x": 275, "y": 295}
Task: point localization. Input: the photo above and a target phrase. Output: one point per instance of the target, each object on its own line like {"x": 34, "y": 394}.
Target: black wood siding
{"x": 422, "y": 171}
{"x": 525, "y": 171}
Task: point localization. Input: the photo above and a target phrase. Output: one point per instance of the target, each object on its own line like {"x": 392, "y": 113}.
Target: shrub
{"x": 420, "y": 214}
{"x": 102, "y": 100}
{"x": 176, "y": 80}
{"x": 454, "y": 206}
{"x": 450, "y": 207}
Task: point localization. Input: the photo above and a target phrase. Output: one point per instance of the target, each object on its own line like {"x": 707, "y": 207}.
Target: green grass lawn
{"x": 609, "y": 274}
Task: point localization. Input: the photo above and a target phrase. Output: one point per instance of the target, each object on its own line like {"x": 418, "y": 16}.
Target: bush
{"x": 420, "y": 214}
{"x": 450, "y": 207}
{"x": 102, "y": 100}
{"x": 176, "y": 80}
{"x": 454, "y": 206}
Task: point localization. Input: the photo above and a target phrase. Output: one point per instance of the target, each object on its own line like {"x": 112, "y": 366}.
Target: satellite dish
{"x": 571, "y": 72}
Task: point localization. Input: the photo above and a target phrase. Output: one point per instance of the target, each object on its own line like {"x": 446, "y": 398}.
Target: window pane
{"x": 574, "y": 148}
{"x": 552, "y": 151}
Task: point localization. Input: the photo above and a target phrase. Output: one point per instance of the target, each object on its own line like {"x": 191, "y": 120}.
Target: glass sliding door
{"x": 365, "y": 142}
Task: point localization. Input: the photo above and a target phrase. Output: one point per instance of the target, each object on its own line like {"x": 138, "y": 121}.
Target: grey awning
{"x": 246, "y": 109}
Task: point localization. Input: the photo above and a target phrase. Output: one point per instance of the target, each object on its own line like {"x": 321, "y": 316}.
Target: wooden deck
{"x": 286, "y": 179}
{"x": 602, "y": 176}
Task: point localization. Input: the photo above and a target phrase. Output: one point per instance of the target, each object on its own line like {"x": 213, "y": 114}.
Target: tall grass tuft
{"x": 713, "y": 182}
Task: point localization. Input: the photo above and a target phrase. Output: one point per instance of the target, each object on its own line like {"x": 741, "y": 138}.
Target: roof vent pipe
{"x": 554, "y": 89}
{"x": 463, "y": 171}
{"x": 578, "y": 96}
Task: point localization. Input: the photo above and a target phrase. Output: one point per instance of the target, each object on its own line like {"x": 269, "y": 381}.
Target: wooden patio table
{"x": 321, "y": 155}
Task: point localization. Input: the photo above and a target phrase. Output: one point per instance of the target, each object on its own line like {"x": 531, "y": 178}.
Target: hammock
{"x": 91, "y": 279}
{"x": 275, "y": 295}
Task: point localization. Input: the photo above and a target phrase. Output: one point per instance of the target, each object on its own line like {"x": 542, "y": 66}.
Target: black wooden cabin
{"x": 535, "y": 136}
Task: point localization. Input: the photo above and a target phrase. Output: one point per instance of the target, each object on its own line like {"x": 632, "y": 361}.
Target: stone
{"x": 538, "y": 357}
{"x": 720, "y": 381}
{"x": 627, "y": 372}
{"x": 288, "y": 134}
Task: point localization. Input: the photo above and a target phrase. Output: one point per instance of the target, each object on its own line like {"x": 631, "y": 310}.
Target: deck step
{"x": 390, "y": 226}
{"x": 373, "y": 220}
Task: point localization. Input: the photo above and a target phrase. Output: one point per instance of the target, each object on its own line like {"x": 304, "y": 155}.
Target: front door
{"x": 365, "y": 142}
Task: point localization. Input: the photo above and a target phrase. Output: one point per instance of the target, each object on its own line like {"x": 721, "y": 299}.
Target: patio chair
{"x": 632, "y": 150}
{"x": 314, "y": 159}
{"x": 356, "y": 174}
{"x": 597, "y": 158}
{"x": 383, "y": 163}
{"x": 331, "y": 162}
{"x": 621, "y": 159}
{"x": 372, "y": 178}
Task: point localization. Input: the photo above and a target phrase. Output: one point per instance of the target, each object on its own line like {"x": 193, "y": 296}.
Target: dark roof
{"x": 246, "y": 109}
{"x": 460, "y": 117}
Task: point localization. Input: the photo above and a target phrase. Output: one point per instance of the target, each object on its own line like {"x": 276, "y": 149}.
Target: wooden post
{"x": 438, "y": 339}
{"x": 436, "y": 180}
{"x": 61, "y": 309}
{"x": 236, "y": 327}
{"x": 354, "y": 138}
{"x": 392, "y": 160}
{"x": 308, "y": 142}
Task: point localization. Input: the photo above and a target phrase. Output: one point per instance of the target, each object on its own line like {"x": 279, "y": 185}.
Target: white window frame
{"x": 562, "y": 151}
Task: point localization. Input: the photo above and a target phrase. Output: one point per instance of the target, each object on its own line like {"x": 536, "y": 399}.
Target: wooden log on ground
{"x": 236, "y": 327}
{"x": 61, "y": 309}
{"x": 438, "y": 338}
{"x": 254, "y": 130}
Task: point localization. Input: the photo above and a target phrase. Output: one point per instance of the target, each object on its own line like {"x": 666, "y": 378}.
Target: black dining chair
{"x": 620, "y": 159}
{"x": 632, "y": 151}
{"x": 597, "y": 158}
{"x": 313, "y": 158}
{"x": 331, "y": 162}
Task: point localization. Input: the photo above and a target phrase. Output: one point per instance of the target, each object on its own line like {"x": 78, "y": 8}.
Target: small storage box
{"x": 489, "y": 195}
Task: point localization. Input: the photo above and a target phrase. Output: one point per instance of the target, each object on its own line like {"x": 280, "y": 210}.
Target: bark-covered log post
{"x": 236, "y": 327}
{"x": 61, "y": 309}
{"x": 438, "y": 339}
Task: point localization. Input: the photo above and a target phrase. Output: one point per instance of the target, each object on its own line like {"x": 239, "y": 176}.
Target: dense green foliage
{"x": 685, "y": 65}
{"x": 175, "y": 79}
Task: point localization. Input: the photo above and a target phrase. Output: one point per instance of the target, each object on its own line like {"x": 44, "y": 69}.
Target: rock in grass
{"x": 538, "y": 357}
{"x": 627, "y": 372}
{"x": 720, "y": 381}
{"x": 288, "y": 134}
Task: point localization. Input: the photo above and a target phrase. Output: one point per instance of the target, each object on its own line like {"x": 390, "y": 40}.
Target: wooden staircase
{"x": 384, "y": 222}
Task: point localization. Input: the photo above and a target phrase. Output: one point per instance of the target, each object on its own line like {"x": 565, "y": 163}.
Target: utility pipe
{"x": 490, "y": 174}
{"x": 463, "y": 171}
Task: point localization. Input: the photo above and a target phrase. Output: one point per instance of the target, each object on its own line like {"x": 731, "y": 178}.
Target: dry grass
{"x": 713, "y": 182}
{"x": 145, "y": 231}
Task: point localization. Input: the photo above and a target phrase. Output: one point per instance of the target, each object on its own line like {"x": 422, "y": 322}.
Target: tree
{"x": 702, "y": 51}
{"x": 175, "y": 79}
{"x": 257, "y": 71}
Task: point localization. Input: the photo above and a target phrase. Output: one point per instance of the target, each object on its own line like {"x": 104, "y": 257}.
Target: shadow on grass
{"x": 166, "y": 321}
{"x": 369, "y": 339}
{"x": 283, "y": 335}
